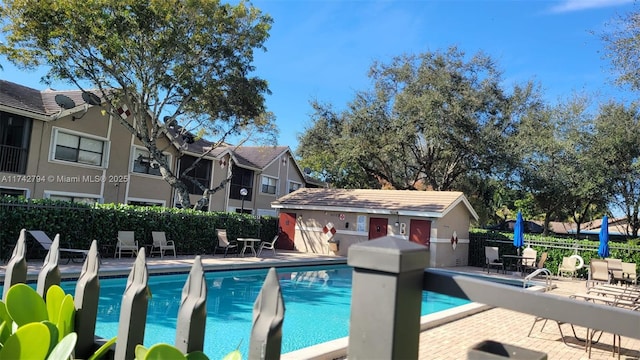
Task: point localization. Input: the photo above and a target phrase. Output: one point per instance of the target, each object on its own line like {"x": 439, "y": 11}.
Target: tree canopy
{"x": 172, "y": 62}
{"x": 429, "y": 120}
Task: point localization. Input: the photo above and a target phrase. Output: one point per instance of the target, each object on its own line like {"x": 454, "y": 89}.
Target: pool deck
{"x": 448, "y": 337}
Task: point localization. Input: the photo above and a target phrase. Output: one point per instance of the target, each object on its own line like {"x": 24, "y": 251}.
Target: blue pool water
{"x": 317, "y": 305}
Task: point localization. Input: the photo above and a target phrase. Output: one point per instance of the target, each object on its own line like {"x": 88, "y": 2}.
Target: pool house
{"x": 328, "y": 221}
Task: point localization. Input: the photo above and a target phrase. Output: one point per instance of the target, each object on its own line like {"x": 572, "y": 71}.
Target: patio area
{"x": 450, "y": 338}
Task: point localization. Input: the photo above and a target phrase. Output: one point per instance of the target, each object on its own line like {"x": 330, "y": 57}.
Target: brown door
{"x": 420, "y": 232}
{"x": 377, "y": 227}
{"x": 287, "y": 224}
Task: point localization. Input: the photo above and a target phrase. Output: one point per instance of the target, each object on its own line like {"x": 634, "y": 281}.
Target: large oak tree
{"x": 428, "y": 121}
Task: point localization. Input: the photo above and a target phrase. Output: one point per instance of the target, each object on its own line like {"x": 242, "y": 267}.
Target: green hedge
{"x": 78, "y": 224}
{"x": 479, "y": 238}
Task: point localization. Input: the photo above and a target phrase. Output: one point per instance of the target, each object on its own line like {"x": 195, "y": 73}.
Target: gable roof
{"x": 401, "y": 202}
{"x": 257, "y": 157}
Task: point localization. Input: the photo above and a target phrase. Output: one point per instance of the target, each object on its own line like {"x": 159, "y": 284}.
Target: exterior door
{"x": 287, "y": 227}
{"x": 377, "y": 227}
{"x": 420, "y": 232}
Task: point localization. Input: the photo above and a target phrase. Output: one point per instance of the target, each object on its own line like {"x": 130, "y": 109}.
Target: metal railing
{"x": 547, "y": 278}
{"x": 13, "y": 159}
{"x": 388, "y": 279}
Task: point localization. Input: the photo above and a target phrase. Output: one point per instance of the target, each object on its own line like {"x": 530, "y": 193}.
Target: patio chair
{"x": 43, "y": 239}
{"x": 126, "y": 242}
{"x": 540, "y": 264}
{"x": 224, "y": 243}
{"x": 615, "y": 269}
{"x": 492, "y": 258}
{"x": 532, "y": 255}
{"x": 598, "y": 272}
{"x": 269, "y": 245}
{"x": 160, "y": 244}
{"x": 629, "y": 273}
{"x": 568, "y": 266}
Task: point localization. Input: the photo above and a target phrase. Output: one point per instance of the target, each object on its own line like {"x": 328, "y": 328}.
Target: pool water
{"x": 317, "y": 305}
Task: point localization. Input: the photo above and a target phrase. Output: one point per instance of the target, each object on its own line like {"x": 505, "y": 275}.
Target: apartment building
{"x": 63, "y": 145}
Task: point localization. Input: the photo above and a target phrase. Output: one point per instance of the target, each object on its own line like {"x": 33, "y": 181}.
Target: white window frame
{"x": 134, "y": 150}
{"x": 48, "y": 194}
{"x": 54, "y": 142}
{"x": 291, "y": 182}
{"x": 27, "y": 192}
{"x": 162, "y": 203}
{"x": 262, "y": 184}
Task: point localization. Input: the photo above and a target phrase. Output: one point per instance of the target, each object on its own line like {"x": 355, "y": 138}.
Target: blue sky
{"x": 323, "y": 49}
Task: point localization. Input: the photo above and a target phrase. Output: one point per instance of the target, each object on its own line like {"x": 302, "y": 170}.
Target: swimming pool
{"x": 317, "y": 302}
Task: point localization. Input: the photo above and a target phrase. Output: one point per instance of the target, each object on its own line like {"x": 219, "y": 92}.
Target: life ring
{"x": 579, "y": 259}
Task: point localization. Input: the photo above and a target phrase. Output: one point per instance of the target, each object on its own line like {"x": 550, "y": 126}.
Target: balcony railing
{"x": 13, "y": 159}
{"x": 388, "y": 279}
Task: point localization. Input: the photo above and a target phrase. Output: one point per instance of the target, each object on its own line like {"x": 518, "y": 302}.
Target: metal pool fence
{"x": 388, "y": 279}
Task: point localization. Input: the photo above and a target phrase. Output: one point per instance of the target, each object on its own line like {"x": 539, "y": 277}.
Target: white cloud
{"x": 578, "y": 5}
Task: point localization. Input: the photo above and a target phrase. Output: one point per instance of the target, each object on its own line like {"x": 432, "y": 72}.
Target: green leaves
{"x": 44, "y": 330}
{"x": 170, "y": 352}
{"x": 25, "y": 305}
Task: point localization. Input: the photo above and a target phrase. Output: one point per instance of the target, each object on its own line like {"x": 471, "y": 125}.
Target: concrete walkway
{"x": 450, "y": 340}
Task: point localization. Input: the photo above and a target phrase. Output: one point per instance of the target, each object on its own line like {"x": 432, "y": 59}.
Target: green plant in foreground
{"x": 166, "y": 351}
{"x": 33, "y": 329}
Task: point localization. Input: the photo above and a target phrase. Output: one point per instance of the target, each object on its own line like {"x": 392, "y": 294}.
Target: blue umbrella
{"x": 518, "y": 232}
{"x": 603, "y": 249}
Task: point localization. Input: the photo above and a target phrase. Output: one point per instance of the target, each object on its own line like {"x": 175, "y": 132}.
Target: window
{"x": 269, "y": 185}
{"x": 12, "y": 192}
{"x": 293, "y": 186}
{"x": 143, "y": 164}
{"x": 74, "y": 199}
{"x": 241, "y": 178}
{"x": 79, "y": 149}
{"x": 15, "y": 132}
{"x": 144, "y": 203}
{"x": 200, "y": 173}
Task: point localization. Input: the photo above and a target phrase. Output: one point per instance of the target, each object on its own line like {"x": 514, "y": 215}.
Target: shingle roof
{"x": 402, "y": 202}
{"x": 257, "y": 156}
{"x": 34, "y": 101}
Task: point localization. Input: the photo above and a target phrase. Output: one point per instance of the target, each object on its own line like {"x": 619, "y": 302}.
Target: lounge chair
{"x": 161, "y": 244}
{"x": 629, "y": 273}
{"x": 44, "y": 240}
{"x": 126, "y": 242}
{"x": 269, "y": 245}
{"x": 615, "y": 270}
{"x": 598, "y": 272}
{"x": 224, "y": 243}
{"x": 492, "y": 258}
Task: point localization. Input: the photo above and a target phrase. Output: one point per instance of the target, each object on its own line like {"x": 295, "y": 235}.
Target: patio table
{"x": 518, "y": 259}
{"x": 248, "y": 244}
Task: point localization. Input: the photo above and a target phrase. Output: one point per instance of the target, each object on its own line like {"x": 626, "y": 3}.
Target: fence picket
{"x": 50, "y": 272}
{"x": 85, "y": 300}
{"x": 268, "y": 316}
{"x": 192, "y": 315}
{"x": 16, "y": 271}
{"x": 133, "y": 310}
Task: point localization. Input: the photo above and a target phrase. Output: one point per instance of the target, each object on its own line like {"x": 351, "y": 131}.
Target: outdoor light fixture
{"x": 243, "y": 193}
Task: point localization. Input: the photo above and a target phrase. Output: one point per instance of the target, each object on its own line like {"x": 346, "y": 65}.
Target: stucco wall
{"x": 309, "y": 236}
